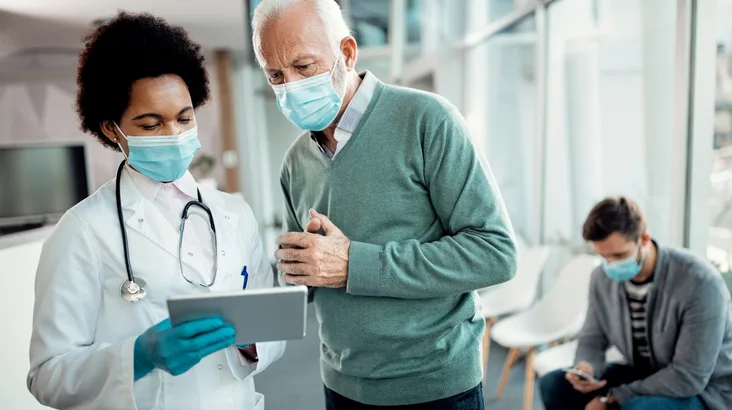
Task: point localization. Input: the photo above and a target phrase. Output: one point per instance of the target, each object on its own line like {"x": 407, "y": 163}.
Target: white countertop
{"x": 21, "y": 238}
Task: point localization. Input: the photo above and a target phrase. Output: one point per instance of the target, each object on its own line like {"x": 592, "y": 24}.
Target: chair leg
{"x": 513, "y": 355}
{"x": 530, "y": 377}
{"x": 489, "y": 321}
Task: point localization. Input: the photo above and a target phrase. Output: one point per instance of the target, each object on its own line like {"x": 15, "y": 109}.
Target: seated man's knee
{"x": 639, "y": 403}
{"x": 552, "y": 384}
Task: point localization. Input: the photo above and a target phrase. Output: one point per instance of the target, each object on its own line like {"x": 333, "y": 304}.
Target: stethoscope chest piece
{"x": 134, "y": 291}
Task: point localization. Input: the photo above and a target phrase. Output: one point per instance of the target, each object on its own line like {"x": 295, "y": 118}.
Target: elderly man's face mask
{"x": 311, "y": 104}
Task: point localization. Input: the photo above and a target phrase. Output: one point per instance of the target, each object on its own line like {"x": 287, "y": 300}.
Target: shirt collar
{"x": 149, "y": 188}
{"x": 359, "y": 103}
{"x": 357, "y": 106}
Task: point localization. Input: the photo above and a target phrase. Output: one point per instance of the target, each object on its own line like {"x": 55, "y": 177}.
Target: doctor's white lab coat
{"x": 81, "y": 352}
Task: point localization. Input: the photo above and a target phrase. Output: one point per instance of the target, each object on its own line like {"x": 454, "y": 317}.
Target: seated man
{"x": 665, "y": 309}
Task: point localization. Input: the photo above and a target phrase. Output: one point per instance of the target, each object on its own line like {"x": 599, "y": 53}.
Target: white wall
{"x": 18, "y": 261}
{"x": 37, "y": 103}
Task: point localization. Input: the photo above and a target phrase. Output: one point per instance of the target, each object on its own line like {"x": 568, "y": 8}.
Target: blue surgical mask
{"x": 311, "y": 104}
{"x": 626, "y": 269}
{"x": 162, "y": 158}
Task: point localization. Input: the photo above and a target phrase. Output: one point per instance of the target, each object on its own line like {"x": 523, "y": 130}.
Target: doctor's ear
{"x": 110, "y": 131}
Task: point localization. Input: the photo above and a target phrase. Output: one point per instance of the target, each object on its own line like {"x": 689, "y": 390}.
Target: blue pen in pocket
{"x": 245, "y": 274}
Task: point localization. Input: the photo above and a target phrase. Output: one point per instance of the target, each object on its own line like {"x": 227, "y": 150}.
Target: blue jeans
{"x": 469, "y": 400}
{"x": 558, "y": 394}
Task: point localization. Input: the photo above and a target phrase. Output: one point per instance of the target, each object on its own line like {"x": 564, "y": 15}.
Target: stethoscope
{"x": 135, "y": 289}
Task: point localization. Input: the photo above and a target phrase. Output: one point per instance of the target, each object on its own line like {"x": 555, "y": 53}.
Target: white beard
{"x": 340, "y": 78}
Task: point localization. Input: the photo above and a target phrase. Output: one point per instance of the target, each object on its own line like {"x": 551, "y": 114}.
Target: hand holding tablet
{"x": 261, "y": 315}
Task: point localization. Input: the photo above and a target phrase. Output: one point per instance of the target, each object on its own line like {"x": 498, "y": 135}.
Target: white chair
{"x": 515, "y": 295}
{"x": 558, "y": 315}
{"x": 562, "y": 356}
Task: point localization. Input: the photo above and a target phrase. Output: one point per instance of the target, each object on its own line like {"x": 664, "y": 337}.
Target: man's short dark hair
{"x": 614, "y": 214}
{"x": 125, "y": 49}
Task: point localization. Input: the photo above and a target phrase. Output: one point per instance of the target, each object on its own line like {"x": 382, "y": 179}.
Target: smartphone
{"x": 581, "y": 374}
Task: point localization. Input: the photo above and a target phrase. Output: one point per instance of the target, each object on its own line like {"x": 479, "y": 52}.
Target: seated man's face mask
{"x": 311, "y": 104}
{"x": 625, "y": 269}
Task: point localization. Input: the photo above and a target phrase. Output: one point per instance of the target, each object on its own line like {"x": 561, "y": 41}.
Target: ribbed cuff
{"x": 364, "y": 269}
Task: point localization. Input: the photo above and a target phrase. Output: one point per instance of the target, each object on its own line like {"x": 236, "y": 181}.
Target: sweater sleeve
{"x": 477, "y": 249}
{"x": 592, "y": 342}
{"x": 697, "y": 348}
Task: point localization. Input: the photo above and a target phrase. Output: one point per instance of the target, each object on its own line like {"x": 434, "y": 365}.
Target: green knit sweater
{"x": 428, "y": 227}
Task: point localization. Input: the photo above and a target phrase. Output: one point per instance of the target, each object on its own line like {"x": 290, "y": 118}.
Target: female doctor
{"x": 101, "y": 340}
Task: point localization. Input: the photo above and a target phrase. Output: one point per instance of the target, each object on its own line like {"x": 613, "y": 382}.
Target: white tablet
{"x": 259, "y": 315}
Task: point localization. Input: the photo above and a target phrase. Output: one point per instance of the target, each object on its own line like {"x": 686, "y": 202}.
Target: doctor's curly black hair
{"x": 125, "y": 49}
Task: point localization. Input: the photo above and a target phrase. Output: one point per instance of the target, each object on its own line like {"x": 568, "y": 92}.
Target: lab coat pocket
{"x": 148, "y": 390}
{"x": 258, "y": 401}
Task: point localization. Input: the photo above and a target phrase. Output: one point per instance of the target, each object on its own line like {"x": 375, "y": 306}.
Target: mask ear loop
{"x": 641, "y": 255}
{"x": 117, "y": 141}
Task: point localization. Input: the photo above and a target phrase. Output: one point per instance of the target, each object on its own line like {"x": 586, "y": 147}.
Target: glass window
{"x": 500, "y": 110}
{"x": 413, "y": 16}
{"x": 500, "y": 8}
{"x": 369, "y": 21}
{"x": 720, "y": 201}
{"x": 610, "y": 101}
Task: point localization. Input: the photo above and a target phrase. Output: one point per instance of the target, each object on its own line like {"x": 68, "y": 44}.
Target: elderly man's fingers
{"x": 328, "y": 226}
{"x": 292, "y": 255}
{"x": 314, "y": 226}
{"x": 297, "y": 239}
{"x": 297, "y": 280}
{"x": 295, "y": 268}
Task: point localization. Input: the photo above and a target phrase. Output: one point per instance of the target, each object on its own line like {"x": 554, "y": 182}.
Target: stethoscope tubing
{"x": 184, "y": 217}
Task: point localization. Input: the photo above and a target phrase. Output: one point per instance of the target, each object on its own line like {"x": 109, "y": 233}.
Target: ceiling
{"x": 34, "y": 24}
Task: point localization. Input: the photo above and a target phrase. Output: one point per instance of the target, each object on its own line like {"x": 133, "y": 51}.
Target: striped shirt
{"x": 637, "y": 294}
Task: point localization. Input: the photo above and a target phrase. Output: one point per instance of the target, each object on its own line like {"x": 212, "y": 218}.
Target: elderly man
{"x": 412, "y": 224}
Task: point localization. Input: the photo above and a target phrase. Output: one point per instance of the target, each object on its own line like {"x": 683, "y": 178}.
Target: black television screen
{"x": 39, "y": 182}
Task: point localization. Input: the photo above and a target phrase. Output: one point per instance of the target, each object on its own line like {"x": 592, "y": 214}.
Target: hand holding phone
{"x": 581, "y": 374}
{"x": 582, "y": 378}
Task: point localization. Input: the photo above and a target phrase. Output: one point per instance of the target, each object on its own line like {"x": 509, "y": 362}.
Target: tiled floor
{"x": 293, "y": 383}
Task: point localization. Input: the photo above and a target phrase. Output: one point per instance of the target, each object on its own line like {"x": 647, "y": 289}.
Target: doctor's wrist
{"x": 142, "y": 366}
{"x": 249, "y": 353}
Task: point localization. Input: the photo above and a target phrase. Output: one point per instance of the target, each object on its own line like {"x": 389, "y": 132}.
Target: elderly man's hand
{"x": 310, "y": 259}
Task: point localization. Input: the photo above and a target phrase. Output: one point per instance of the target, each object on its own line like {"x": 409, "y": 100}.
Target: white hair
{"x": 328, "y": 11}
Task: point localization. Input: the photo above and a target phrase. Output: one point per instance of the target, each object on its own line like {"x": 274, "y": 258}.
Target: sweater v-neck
{"x": 332, "y": 163}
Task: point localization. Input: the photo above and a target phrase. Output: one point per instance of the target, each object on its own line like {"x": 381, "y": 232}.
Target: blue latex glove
{"x": 177, "y": 349}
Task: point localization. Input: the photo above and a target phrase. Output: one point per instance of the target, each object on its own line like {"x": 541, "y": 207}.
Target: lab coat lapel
{"x": 225, "y": 223}
{"x": 142, "y": 217}
{"x": 229, "y": 249}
